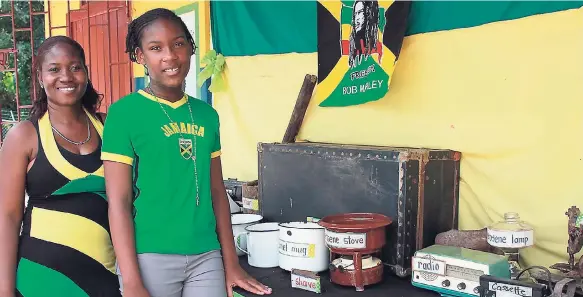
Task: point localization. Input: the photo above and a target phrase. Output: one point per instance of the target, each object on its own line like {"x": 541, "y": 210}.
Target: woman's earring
{"x": 146, "y": 70}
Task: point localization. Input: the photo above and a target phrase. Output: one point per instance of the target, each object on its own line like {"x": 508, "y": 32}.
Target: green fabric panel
{"x": 35, "y": 280}
{"x": 91, "y": 183}
{"x": 246, "y": 28}
{"x": 431, "y": 16}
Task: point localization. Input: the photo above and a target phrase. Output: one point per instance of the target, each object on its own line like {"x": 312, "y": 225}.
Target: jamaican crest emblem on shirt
{"x": 185, "y": 148}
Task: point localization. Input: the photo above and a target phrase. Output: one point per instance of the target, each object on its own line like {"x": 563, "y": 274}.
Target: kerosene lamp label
{"x": 345, "y": 240}
{"x": 510, "y": 239}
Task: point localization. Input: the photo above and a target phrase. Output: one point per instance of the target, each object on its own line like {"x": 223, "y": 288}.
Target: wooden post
{"x": 299, "y": 112}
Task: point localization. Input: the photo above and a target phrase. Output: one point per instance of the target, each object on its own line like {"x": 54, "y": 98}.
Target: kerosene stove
{"x": 355, "y": 241}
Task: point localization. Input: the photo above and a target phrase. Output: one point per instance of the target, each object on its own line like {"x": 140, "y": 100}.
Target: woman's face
{"x": 63, "y": 75}
{"x": 166, "y": 52}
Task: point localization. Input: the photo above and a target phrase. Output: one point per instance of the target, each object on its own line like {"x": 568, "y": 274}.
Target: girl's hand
{"x": 237, "y": 277}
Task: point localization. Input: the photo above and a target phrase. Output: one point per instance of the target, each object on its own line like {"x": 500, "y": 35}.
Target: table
{"x": 280, "y": 281}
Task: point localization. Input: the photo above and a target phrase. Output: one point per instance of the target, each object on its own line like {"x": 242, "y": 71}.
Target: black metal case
{"x": 417, "y": 188}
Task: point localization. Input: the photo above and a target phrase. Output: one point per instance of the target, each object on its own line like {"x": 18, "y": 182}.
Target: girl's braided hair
{"x": 137, "y": 26}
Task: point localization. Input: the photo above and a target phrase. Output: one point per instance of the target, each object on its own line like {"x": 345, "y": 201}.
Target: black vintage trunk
{"x": 416, "y": 188}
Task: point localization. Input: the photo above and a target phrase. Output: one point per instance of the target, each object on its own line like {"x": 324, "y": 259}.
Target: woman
{"x": 65, "y": 248}
{"x": 163, "y": 176}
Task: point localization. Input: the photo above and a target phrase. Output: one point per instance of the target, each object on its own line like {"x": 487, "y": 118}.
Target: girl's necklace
{"x": 187, "y": 147}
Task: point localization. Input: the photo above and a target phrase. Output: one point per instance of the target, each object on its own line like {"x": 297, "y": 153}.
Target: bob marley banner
{"x": 358, "y": 46}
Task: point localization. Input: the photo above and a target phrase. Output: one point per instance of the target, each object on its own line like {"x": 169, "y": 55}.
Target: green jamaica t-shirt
{"x": 137, "y": 132}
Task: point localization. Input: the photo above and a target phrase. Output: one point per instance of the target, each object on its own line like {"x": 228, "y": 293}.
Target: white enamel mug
{"x": 302, "y": 246}
{"x": 239, "y": 222}
{"x": 262, "y": 244}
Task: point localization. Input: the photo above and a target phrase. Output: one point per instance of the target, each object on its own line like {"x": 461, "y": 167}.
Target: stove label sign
{"x": 297, "y": 250}
{"x": 345, "y": 240}
{"x": 507, "y": 290}
{"x": 305, "y": 283}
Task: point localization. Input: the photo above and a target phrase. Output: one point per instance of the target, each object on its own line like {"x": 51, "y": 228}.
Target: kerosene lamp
{"x": 510, "y": 236}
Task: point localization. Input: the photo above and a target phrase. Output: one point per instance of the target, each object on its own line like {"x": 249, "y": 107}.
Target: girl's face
{"x": 63, "y": 75}
{"x": 166, "y": 52}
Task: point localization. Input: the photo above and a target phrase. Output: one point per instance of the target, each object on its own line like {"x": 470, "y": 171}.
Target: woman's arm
{"x": 234, "y": 273}
{"x": 14, "y": 158}
{"x": 118, "y": 184}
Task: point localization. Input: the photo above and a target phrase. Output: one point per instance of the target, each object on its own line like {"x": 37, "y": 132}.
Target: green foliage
{"x": 22, "y": 19}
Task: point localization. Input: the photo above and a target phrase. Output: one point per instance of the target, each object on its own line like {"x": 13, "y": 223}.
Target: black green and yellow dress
{"x": 65, "y": 247}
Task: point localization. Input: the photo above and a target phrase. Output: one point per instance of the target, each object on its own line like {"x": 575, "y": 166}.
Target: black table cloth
{"x": 280, "y": 281}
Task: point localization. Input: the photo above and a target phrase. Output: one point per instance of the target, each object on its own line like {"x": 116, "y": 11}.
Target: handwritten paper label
{"x": 306, "y": 283}
{"x": 251, "y": 204}
{"x": 312, "y": 220}
{"x": 428, "y": 265}
{"x": 507, "y": 290}
{"x": 345, "y": 240}
{"x": 297, "y": 250}
{"x": 510, "y": 239}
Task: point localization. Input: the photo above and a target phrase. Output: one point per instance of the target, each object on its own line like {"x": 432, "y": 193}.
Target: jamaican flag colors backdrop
{"x": 499, "y": 81}
{"x": 358, "y": 45}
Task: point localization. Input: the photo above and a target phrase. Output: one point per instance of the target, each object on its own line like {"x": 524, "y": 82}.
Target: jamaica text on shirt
{"x": 174, "y": 128}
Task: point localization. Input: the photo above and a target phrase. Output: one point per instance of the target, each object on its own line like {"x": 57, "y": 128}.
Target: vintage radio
{"x": 416, "y": 188}
{"x": 455, "y": 271}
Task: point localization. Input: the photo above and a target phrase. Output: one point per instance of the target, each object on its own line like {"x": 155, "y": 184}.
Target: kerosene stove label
{"x": 345, "y": 240}
{"x": 507, "y": 290}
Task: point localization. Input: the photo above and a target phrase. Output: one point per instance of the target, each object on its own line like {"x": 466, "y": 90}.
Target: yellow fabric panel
{"x": 256, "y": 106}
{"x": 75, "y": 232}
{"x": 507, "y": 95}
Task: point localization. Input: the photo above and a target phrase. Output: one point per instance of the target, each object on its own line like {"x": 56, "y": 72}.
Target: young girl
{"x": 161, "y": 153}
{"x": 65, "y": 248}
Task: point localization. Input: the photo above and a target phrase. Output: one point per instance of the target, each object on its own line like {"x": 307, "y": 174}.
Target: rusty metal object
{"x": 373, "y": 227}
{"x": 469, "y": 239}
{"x": 558, "y": 282}
{"x": 574, "y": 245}
{"x": 250, "y": 193}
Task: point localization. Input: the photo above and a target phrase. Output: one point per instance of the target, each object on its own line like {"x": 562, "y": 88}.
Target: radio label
{"x": 428, "y": 265}
{"x": 510, "y": 239}
{"x": 345, "y": 240}
{"x": 507, "y": 290}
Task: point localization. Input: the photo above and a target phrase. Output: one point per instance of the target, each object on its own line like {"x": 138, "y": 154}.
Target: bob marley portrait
{"x": 364, "y": 35}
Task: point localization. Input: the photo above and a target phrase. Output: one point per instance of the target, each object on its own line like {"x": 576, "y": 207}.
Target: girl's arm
{"x": 118, "y": 184}
{"x": 14, "y": 158}
{"x": 234, "y": 273}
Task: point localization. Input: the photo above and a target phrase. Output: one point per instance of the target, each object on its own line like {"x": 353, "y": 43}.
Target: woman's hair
{"x": 136, "y": 27}
{"x": 90, "y": 100}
